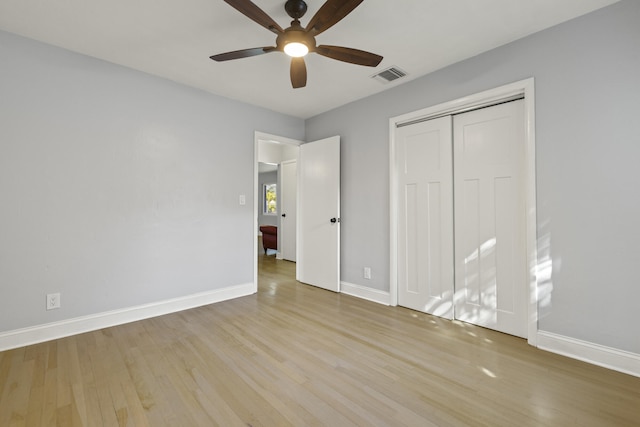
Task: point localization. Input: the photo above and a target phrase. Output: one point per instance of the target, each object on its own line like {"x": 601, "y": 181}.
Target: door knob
{"x": 283, "y": 215}
{"x": 334, "y": 220}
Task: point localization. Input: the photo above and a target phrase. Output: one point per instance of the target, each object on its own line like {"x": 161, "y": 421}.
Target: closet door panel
{"x": 490, "y": 252}
{"x": 425, "y": 217}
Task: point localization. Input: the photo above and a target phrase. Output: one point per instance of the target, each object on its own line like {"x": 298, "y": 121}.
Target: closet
{"x": 461, "y": 216}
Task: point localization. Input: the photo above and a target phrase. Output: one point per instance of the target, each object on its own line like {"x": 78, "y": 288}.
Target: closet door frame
{"x": 490, "y": 97}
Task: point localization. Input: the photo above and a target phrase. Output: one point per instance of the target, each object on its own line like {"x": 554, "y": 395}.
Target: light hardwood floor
{"x": 294, "y": 355}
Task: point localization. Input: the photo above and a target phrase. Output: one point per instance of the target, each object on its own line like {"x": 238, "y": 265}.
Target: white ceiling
{"x": 174, "y": 39}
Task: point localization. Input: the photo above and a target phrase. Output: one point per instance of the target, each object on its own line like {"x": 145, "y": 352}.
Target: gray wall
{"x": 588, "y": 194}
{"x": 118, "y": 188}
{"x": 266, "y": 178}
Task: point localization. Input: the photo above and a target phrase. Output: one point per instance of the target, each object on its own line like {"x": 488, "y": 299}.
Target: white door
{"x": 425, "y": 217}
{"x": 319, "y": 214}
{"x": 490, "y": 252}
{"x": 288, "y": 209}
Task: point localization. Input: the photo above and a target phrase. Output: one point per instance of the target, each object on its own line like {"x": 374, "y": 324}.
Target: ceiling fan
{"x": 297, "y": 41}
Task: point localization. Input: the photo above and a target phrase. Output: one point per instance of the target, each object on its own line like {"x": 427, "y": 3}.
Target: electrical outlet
{"x": 367, "y": 272}
{"x": 53, "y": 301}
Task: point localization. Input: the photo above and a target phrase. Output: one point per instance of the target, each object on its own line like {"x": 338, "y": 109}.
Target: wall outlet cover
{"x": 53, "y": 301}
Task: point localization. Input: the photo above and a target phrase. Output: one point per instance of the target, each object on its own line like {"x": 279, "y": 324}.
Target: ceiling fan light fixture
{"x": 297, "y": 41}
{"x": 296, "y": 49}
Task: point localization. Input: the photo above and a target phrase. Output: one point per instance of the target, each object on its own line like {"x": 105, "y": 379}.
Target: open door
{"x": 289, "y": 209}
{"x": 318, "y": 251}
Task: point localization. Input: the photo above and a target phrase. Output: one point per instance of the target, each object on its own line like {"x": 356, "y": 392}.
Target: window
{"x": 269, "y": 199}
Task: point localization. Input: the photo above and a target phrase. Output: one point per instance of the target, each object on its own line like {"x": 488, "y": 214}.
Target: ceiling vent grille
{"x": 389, "y": 75}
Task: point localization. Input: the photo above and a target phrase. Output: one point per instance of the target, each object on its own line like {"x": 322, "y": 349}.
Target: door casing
{"x": 486, "y": 98}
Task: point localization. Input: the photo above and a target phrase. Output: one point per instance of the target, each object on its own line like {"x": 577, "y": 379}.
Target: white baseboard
{"x": 381, "y": 297}
{"x": 611, "y": 358}
{"x": 41, "y": 333}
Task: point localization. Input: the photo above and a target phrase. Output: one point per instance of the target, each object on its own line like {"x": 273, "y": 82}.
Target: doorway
{"x": 317, "y": 242}
{"x": 437, "y": 274}
{"x": 274, "y": 156}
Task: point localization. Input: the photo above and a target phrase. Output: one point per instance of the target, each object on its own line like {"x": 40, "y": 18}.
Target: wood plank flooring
{"x": 295, "y": 355}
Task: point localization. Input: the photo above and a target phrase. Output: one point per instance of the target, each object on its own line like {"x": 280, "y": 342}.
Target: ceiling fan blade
{"x": 346, "y": 54}
{"x": 251, "y": 11}
{"x": 244, "y": 53}
{"x": 298, "y": 73}
{"x": 330, "y": 14}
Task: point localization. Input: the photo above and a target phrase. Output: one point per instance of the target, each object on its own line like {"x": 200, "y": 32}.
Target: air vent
{"x": 389, "y": 75}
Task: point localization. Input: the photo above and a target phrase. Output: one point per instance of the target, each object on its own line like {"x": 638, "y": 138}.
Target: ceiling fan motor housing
{"x": 295, "y": 8}
{"x": 296, "y": 34}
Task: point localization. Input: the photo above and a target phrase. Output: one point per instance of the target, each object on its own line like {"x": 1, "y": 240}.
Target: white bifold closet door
{"x": 425, "y": 217}
{"x": 461, "y": 217}
{"x": 490, "y": 251}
